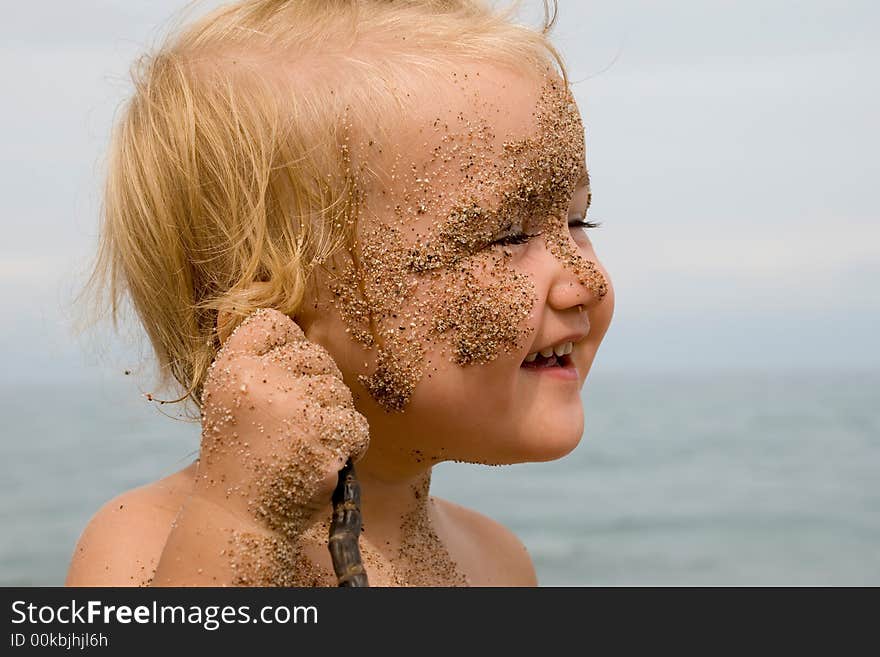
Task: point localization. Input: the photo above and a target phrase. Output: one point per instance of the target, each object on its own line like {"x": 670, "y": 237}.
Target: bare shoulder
{"x": 122, "y": 542}
{"x": 490, "y": 553}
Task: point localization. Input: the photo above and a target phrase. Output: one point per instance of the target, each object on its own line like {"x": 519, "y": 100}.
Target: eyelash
{"x": 581, "y": 223}
{"x": 516, "y": 238}
{"x": 522, "y": 238}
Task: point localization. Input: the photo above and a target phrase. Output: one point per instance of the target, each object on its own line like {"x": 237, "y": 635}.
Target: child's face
{"x": 432, "y": 325}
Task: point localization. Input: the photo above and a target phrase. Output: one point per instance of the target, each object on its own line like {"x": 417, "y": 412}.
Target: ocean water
{"x": 709, "y": 479}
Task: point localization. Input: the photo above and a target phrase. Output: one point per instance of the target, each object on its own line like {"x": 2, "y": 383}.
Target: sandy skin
{"x": 230, "y": 518}
{"x": 252, "y": 512}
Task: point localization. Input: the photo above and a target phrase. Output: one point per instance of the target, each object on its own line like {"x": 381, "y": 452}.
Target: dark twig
{"x": 345, "y": 529}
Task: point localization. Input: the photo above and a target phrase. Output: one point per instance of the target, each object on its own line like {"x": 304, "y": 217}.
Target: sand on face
{"x": 431, "y": 269}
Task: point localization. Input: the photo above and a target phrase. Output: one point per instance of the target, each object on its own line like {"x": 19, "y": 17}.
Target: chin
{"x": 553, "y": 440}
{"x": 554, "y": 432}
{"x": 533, "y": 441}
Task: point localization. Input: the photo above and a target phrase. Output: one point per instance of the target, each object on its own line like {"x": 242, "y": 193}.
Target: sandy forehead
{"x": 449, "y": 146}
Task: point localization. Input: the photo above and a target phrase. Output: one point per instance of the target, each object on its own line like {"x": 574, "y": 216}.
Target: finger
{"x": 245, "y": 387}
{"x": 303, "y": 368}
{"x": 325, "y": 390}
{"x": 303, "y": 359}
{"x": 263, "y": 330}
{"x": 344, "y": 431}
{"x": 300, "y": 477}
{"x": 358, "y": 432}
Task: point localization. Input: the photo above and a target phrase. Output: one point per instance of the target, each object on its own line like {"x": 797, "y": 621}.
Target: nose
{"x": 578, "y": 280}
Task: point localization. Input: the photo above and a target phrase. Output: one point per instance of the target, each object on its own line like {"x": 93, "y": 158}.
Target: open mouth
{"x": 543, "y": 362}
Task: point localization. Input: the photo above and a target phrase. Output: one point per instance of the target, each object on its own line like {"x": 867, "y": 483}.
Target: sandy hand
{"x": 278, "y": 423}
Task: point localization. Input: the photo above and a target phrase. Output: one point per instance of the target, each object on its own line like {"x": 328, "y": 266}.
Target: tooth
{"x": 569, "y": 347}
{"x": 531, "y": 357}
{"x": 559, "y": 350}
{"x": 546, "y": 353}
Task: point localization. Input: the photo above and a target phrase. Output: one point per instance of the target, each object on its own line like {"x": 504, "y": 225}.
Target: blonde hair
{"x": 228, "y": 175}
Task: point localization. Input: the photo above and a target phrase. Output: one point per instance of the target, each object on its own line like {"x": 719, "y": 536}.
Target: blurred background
{"x": 733, "y": 413}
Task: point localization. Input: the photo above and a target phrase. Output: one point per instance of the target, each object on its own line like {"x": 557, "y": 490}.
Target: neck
{"x": 402, "y": 537}
{"x": 392, "y": 490}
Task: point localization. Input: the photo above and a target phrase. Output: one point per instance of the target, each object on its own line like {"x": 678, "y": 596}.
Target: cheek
{"x": 488, "y": 414}
{"x": 483, "y": 308}
{"x": 467, "y": 312}
{"x": 459, "y": 322}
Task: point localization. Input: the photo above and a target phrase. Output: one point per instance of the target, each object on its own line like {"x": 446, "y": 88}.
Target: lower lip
{"x": 566, "y": 372}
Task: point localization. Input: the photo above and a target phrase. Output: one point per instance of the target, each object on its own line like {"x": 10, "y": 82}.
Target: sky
{"x": 733, "y": 150}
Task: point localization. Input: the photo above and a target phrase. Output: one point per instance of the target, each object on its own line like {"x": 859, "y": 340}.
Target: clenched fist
{"x": 278, "y": 423}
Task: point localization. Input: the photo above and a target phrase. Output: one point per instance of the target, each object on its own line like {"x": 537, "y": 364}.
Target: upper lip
{"x": 574, "y": 338}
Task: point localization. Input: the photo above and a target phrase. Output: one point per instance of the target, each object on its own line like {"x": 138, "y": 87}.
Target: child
{"x": 350, "y": 229}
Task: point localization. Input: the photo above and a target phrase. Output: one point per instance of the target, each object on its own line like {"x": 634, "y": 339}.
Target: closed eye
{"x": 515, "y": 238}
{"x": 522, "y": 238}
